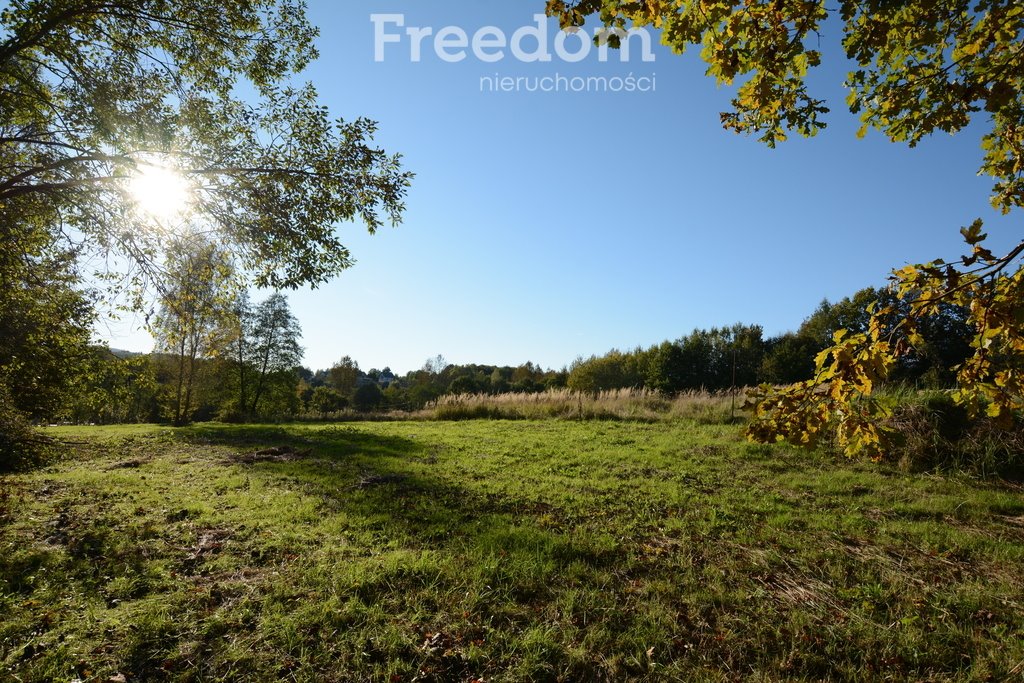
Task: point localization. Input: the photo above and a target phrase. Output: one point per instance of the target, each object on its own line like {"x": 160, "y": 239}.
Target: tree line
{"x": 170, "y": 387}
{"x": 741, "y": 356}
{"x": 233, "y": 360}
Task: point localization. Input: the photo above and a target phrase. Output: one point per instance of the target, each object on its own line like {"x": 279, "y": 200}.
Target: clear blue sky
{"x": 544, "y": 226}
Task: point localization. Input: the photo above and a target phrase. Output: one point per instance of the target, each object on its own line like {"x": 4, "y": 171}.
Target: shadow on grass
{"x": 333, "y": 441}
{"x": 418, "y": 534}
{"x": 400, "y": 557}
{"x": 393, "y": 483}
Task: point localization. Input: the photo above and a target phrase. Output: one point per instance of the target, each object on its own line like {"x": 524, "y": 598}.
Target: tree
{"x": 436, "y": 365}
{"x": 98, "y": 98}
{"x": 114, "y": 390}
{"x": 45, "y": 322}
{"x": 275, "y": 346}
{"x": 327, "y": 400}
{"x": 526, "y": 377}
{"x": 190, "y": 325}
{"x": 788, "y": 358}
{"x": 344, "y": 375}
{"x": 238, "y": 353}
{"x": 499, "y": 381}
{"x": 943, "y": 335}
{"x": 95, "y": 94}
{"x": 920, "y": 67}
{"x": 943, "y": 344}
{"x": 742, "y": 353}
{"x": 614, "y": 370}
{"x": 851, "y": 313}
{"x": 716, "y": 359}
{"x": 666, "y": 372}
{"x": 463, "y": 384}
{"x": 367, "y": 398}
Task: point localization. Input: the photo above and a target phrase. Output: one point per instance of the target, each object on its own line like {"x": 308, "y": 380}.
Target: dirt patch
{"x": 209, "y": 542}
{"x": 60, "y": 529}
{"x": 710, "y": 450}
{"x": 129, "y": 464}
{"x": 274, "y": 454}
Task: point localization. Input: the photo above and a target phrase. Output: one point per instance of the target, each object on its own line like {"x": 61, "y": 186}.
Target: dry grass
{"x": 933, "y": 433}
{"x": 641, "y": 405}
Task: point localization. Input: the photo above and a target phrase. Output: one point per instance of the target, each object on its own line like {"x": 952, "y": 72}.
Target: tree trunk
{"x": 263, "y": 372}
{"x": 241, "y": 370}
{"x": 193, "y": 351}
{"x": 181, "y": 379}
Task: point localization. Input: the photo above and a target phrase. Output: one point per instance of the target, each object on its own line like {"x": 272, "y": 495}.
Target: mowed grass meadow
{"x": 489, "y": 550}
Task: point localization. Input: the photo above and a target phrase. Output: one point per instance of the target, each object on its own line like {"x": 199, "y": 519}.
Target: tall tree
{"x": 344, "y": 375}
{"x": 275, "y": 345}
{"x": 238, "y": 350}
{"x": 45, "y": 321}
{"x": 109, "y": 107}
{"x": 96, "y": 96}
{"x": 614, "y": 370}
{"x": 666, "y": 371}
{"x": 190, "y": 323}
{"x": 114, "y": 390}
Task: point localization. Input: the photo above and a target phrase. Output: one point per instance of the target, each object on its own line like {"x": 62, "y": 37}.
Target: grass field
{"x": 499, "y": 551}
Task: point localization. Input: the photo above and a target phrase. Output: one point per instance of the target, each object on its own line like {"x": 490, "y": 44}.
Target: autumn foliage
{"x": 919, "y": 67}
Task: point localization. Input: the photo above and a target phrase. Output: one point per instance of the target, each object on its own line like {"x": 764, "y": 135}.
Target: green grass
{"x": 503, "y": 551}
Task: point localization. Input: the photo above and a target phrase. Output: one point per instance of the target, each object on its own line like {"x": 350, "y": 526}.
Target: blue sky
{"x": 544, "y": 226}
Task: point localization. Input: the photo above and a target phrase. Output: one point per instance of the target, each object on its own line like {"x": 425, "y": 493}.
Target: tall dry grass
{"x": 620, "y": 404}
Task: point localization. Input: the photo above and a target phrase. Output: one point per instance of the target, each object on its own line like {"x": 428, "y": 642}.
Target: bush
{"x": 326, "y": 400}
{"x": 951, "y": 420}
{"x": 933, "y": 432}
{"x": 367, "y": 398}
{"x": 20, "y": 445}
{"x": 232, "y": 413}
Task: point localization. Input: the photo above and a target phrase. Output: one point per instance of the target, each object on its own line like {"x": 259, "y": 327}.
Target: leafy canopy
{"x": 93, "y": 92}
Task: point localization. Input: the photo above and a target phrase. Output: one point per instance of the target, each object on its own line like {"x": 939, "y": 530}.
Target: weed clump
{"x": 20, "y": 445}
{"x": 933, "y": 432}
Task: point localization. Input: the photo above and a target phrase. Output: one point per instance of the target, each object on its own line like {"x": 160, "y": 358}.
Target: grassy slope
{"x": 508, "y": 551}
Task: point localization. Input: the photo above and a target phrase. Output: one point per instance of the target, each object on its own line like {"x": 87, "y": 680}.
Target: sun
{"x": 160, "y": 192}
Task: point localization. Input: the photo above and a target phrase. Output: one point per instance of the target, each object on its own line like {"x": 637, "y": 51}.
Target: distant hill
{"x": 121, "y": 353}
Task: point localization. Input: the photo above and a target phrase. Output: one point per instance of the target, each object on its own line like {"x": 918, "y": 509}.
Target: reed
{"x": 641, "y": 405}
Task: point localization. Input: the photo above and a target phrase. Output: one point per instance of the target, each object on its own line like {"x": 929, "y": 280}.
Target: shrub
{"x": 326, "y": 400}
{"x": 933, "y": 432}
{"x": 368, "y": 397}
{"x": 20, "y": 445}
